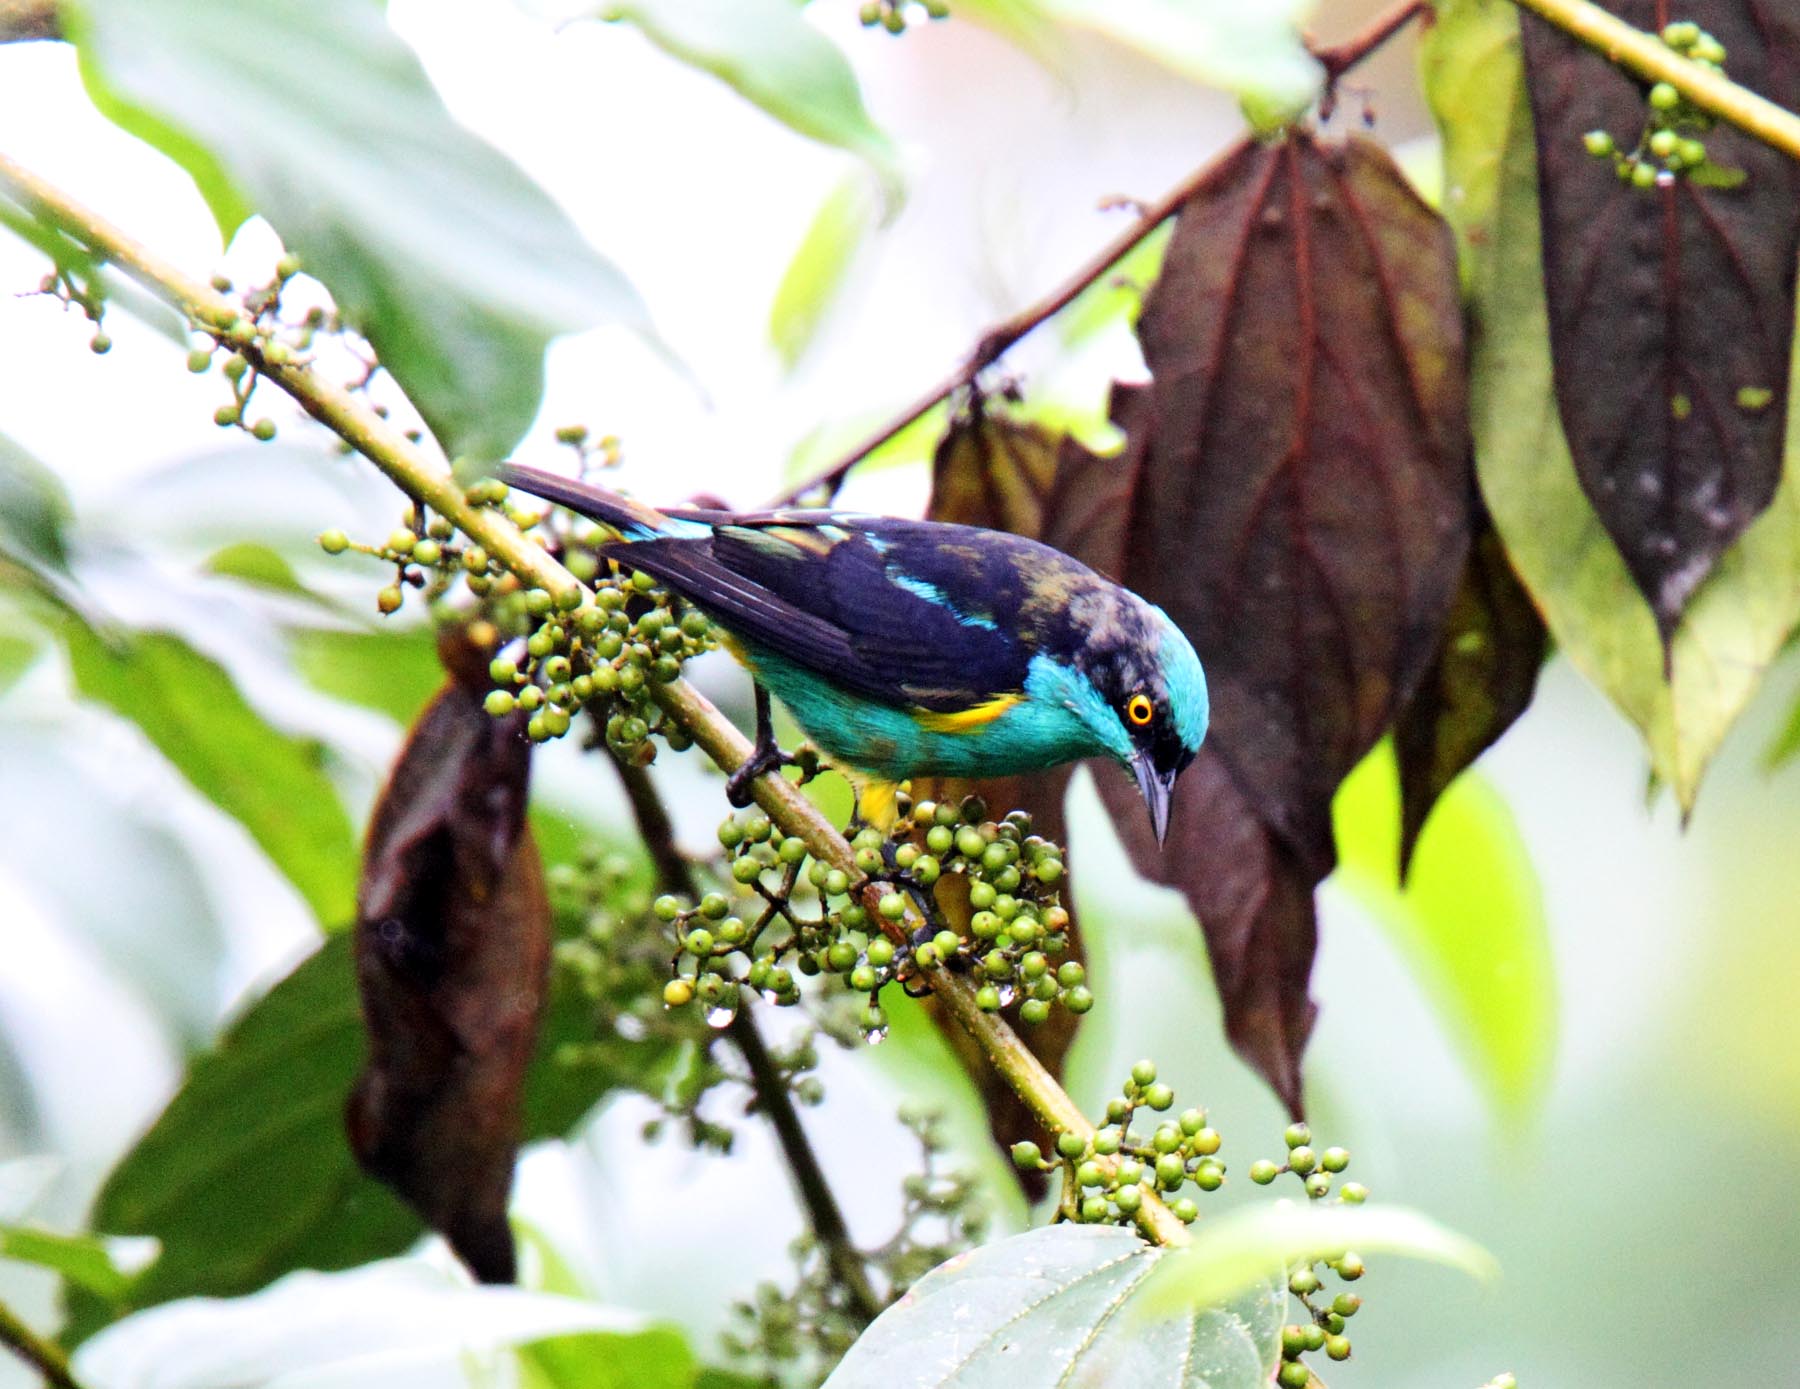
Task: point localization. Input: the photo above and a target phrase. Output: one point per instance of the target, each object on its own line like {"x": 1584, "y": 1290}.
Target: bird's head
{"x": 1145, "y": 699}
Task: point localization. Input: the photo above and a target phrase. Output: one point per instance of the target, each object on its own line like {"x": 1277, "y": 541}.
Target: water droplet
{"x": 631, "y": 1028}
{"x": 720, "y": 1016}
{"x": 1007, "y": 994}
{"x": 875, "y": 1036}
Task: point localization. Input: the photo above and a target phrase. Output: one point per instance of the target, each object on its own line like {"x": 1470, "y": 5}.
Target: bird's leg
{"x": 766, "y": 756}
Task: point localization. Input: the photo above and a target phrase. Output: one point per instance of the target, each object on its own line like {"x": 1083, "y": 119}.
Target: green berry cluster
{"x": 891, "y": 14}
{"x": 857, "y": 932}
{"x": 255, "y": 340}
{"x": 1326, "y": 1328}
{"x": 1669, "y": 146}
{"x": 84, "y": 292}
{"x": 1106, "y": 1176}
{"x": 590, "y": 453}
{"x": 796, "y": 1336}
{"x": 424, "y": 555}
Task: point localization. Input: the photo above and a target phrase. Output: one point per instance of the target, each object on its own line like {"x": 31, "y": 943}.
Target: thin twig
{"x": 1339, "y": 58}
{"x": 41, "y": 1353}
{"x": 675, "y": 874}
{"x": 1647, "y": 56}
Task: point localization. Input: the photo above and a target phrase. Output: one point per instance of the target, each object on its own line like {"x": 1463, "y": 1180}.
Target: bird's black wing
{"x": 826, "y": 596}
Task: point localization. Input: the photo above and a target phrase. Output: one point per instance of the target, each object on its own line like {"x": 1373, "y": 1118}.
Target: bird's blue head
{"x": 1133, "y": 679}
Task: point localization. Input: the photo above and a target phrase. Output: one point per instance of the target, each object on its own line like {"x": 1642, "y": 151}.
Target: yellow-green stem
{"x": 1650, "y": 58}
{"x": 354, "y": 420}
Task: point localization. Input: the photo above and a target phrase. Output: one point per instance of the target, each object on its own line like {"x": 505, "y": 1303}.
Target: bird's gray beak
{"x": 1156, "y": 789}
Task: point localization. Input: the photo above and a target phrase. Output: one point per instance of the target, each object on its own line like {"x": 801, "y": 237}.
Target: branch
{"x": 355, "y": 421}
{"x": 1647, "y": 56}
{"x": 41, "y": 1353}
{"x": 24, "y": 20}
{"x": 675, "y": 874}
{"x": 1341, "y": 57}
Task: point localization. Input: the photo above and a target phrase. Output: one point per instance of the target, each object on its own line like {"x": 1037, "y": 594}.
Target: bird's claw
{"x": 764, "y": 758}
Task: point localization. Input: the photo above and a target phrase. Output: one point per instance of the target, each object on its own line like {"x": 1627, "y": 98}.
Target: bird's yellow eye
{"x": 1139, "y": 709}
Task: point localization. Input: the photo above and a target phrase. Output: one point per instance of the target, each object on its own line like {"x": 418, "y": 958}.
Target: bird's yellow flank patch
{"x": 967, "y": 720}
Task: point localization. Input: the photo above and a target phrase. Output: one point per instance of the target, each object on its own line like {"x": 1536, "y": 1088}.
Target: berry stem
{"x": 675, "y": 874}
{"x": 1647, "y": 56}
{"x": 1339, "y": 58}
{"x": 41, "y": 1353}
{"x": 339, "y": 410}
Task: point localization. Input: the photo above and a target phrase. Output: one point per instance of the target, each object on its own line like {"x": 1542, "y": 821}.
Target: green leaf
{"x": 269, "y": 782}
{"x": 1470, "y": 921}
{"x": 1741, "y": 616}
{"x": 1255, "y": 51}
{"x": 34, "y": 511}
{"x": 819, "y": 268}
{"x": 768, "y": 53}
{"x": 1241, "y": 1249}
{"x": 394, "y": 671}
{"x": 655, "y": 1358}
{"x": 456, "y": 266}
{"x": 84, "y": 1261}
{"x": 1042, "y": 1310}
{"x": 247, "y": 1174}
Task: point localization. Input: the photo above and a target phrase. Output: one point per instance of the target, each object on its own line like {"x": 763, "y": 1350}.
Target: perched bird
{"x": 915, "y": 648}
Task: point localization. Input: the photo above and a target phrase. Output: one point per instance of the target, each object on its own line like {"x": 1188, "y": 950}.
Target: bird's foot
{"x": 765, "y": 757}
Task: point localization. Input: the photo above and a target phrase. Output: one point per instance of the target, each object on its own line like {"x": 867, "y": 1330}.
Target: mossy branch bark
{"x": 431, "y": 484}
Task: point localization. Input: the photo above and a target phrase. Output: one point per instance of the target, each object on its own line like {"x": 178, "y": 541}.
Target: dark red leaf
{"x": 1302, "y": 513}
{"x": 452, "y": 954}
{"x": 1480, "y": 681}
{"x": 994, "y": 471}
{"x": 1671, "y": 309}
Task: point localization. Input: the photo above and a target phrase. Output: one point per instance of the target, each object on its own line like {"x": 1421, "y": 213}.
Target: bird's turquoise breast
{"x": 1039, "y": 728}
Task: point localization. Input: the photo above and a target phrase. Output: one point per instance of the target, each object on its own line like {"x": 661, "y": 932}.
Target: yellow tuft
{"x": 967, "y": 720}
{"x": 877, "y": 802}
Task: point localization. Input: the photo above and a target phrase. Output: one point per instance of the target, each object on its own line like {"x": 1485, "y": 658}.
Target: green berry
{"x": 1262, "y": 1171}
{"x": 263, "y": 430}
{"x": 1106, "y": 1142}
{"x": 1315, "y": 1336}
{"x": 677, "y": 992}
{"x": 1070, "y": 973}
{"x": 1089, "y": 1174}
{"x": 699, "y": 941}
{"x": 1303, "y": 1283}
{"x": 100, "y": 344}
{"x": 199, "y": 360}
{"x": 1078, "y": 1000}
{"x": 1027, "y": 1156}
{"x": 425, "y": 552}
{"x": 892, "y": 906}
{"x": 745, "y": 870}
{"x": 334, "y": 542}
{"x": 1318, "y": 1186}
{"x": 666, "y": 907}
{"x": 1664, "y": 97}
{"x": 1681, "y": 34}
{"x": 1144, "y": 1072}
{"x": 714, "y": 905}
{"x": 1131, "y": 1171}
{"x": 1294, "y": 1375}
{"x": 389, "y": 599}
{"x": 1598, "y": 142}
{"x": 981, "y": 896}
{"x": 226, "y": 416}
{"x": 1293, "y": 1341}
{"x": 1338, "y": 1347}
{"x": 1034, "y": 1011}
{"x": 987, "y": 998}
{"x": 863, "y": 979}
{"x": 1350, "y": 1268}
{"x": 1334, "y": 1159}
{"x": 1192, "y": 1121}
{"x": 1346, "y": 1304}
{"x": 1353, "y": 1193}
{"x": 969, "y": 842}
{"x": 947, "y": 943}
{"x": 1171, "y": 1171}
{"x": 1297, "y": 1136}
{"x": 1159, "y": 1097}
{"x": 1302, "y": 1160}
{"x": 841, "y": 957}
{"x": 1071, "y": 1145}
{"x": 1128, "y": 1199}
{"x": 1186, "y": 1211}
{"x": 1663, "y": 142}
{"x": 1692, "y": 152}
{"x": 1209, "y": 1175}
{"x": 1093, "y": 1209}
{"x": 1166, "y": 1139}
{"x": 1206, "y": 1142}
{"x": 940, "y": 840}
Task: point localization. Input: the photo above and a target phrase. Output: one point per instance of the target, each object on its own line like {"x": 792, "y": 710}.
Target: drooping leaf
{"x": 1057, "y": 1307}
{"x": 1469, "y": 921}
{"x": 271, "y": 783}
{"x": 821, "y": 265}
{"x": 1739, "y": 619}
{"x": 1671, "y": 308}
{"x": 456, "y": 266}
{"x": 85, "y": 1261}
{"x": 452, "y": 960}
{"x": 247, "y": 1175}
{"x": 34, "y": 511}
{"x": 1479, "y": 682}
{"x": 994, "y": 471}
{"x": 393, "y": 670}
{"x": 395, "y": 1322}
{"x": 1238, "y": 1250}
{"x": 1298, "y": 474}
{"x": 767, "y": 52}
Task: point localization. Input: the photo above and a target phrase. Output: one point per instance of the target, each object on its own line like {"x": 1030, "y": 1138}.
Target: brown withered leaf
{"x": 452, "y": 958}
{"x": 1671, "y": 309}
{"x": 1302, "y": 513}
{"x": 1480, "y": 681}
{"x": 995, "y": 471}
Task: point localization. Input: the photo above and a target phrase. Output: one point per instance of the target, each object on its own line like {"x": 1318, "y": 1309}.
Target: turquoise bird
{"x": 915, "y": 648}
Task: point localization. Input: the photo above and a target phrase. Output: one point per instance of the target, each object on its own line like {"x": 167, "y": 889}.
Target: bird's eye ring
{"x": 1139, "y": 709}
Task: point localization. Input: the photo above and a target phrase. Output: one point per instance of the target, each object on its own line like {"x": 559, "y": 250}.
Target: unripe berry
{"x": 199, "y": 360}
{"x": 1171, "y": 1171}
{"x": 1297, "y": 1136}
{"x": 334, "y": 542}
{"x": 1302, "y": 1160}
{"x": 863, "y": 979}
{"x": 1071, "y": 1145}
{"x": 1034, "y": 1011}
{"x": 1664, "y": 97}
{"x": 1027, "y": 1156}
{"x": 1303, "y": 1283}
{"x": 1144, "y": 1072}
{"x": 1185, "y": 1209}
{"x": 1353, "y": 1193}
{"x": 1338, "y": 1347}
{"x": 699, "y": 941}
{"x": 1598, "y": 143}
{"x": 677, "y": 992}
{"x": 1159, "y": 1097}
{"x": 1078, "y": 1000}
{"x": 499, "y": 703}
{"x": 893, "y": 906}
{"x": 1350, "y": 1268}
{"x": 1128, "y": 1199}
{"x": 1294, "y": 1375}
{"x": 389, "y": 599}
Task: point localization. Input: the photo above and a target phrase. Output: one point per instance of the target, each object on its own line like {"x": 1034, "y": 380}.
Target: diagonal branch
{"x": 428, "y": 482}
{"x": 41, "y": 1353}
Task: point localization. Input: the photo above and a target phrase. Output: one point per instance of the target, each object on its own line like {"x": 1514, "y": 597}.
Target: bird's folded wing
{"x": 829, "y": 602}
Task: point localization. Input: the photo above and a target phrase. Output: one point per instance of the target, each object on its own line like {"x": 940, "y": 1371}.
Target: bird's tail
{"x": 632, "y": 520}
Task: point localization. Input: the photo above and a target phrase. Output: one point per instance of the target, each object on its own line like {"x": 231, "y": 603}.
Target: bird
{"x": 907, "y": 648}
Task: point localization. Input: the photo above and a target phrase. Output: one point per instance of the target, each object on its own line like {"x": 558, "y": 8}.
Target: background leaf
{"x": 455, "y": 266}
{"x": 820, "y": 267}
{"x": 1054, "y": 1307}
{"x": 34, "y": 510}
{"x": 1667, "y": 304}
{"x": 1239, "y": 1249}
{"x": 1738, "y": 621}
{"x": 270, "y": 783}
{"x": 767, "y": 52}
{"x": 1470, "y": 921}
